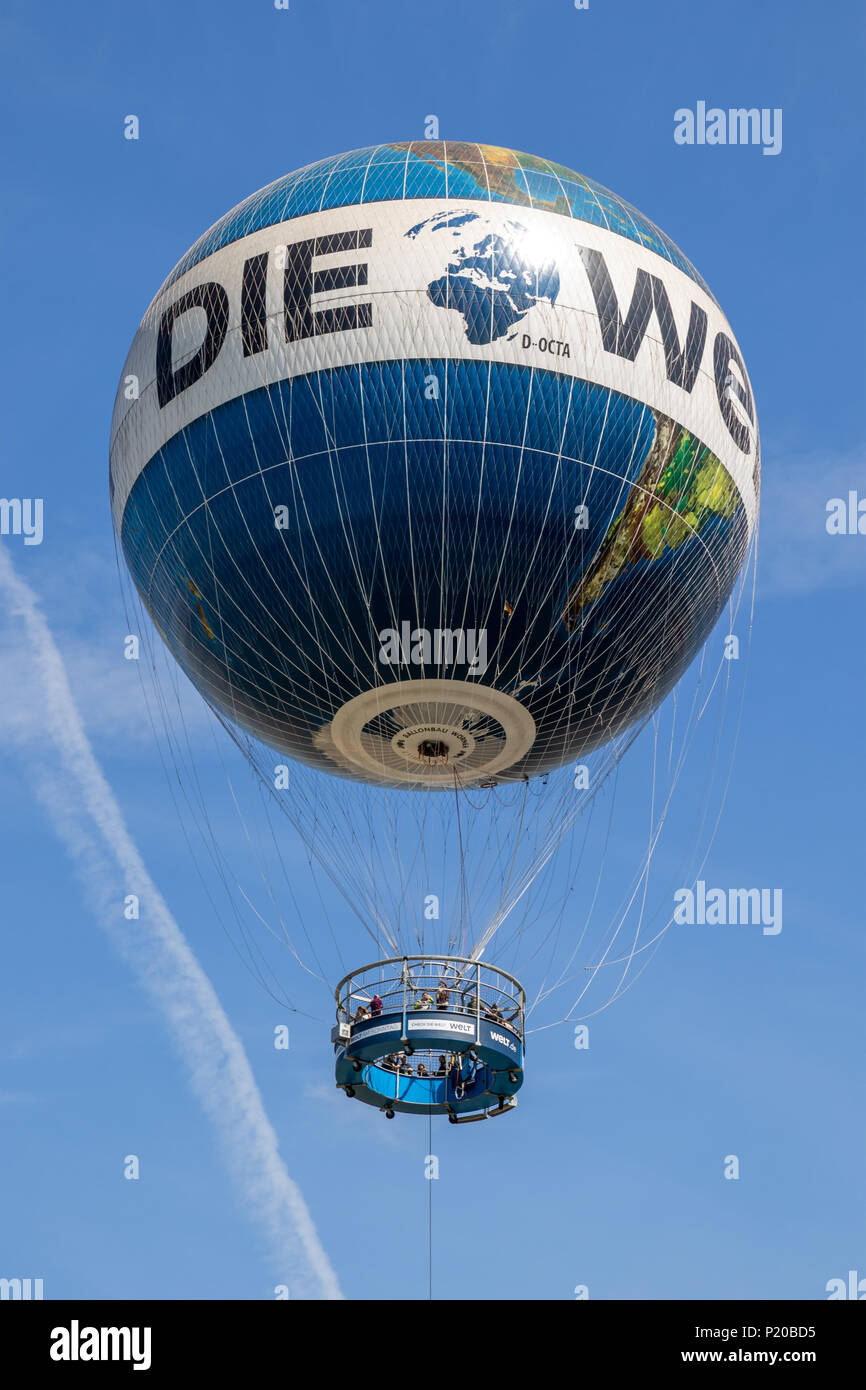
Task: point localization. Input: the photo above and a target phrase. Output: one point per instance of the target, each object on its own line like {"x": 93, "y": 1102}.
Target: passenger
{"x": 426, "y": 1001}
{"x": 375, "y": 1006}
{"x": 442, "y": 1067}
{"x": 494, "y": 1014}
{"x": 422, "y": 1070}
{"x": 443, "y": 997}
{"x": 360, "y": 1014}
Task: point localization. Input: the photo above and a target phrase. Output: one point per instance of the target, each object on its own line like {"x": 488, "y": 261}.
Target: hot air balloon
{"x": 434, "y": 465}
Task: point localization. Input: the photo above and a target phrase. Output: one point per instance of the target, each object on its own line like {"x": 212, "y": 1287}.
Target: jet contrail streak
{"x": 167, "y": 968}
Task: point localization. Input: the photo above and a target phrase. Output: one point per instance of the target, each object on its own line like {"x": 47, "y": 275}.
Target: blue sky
{"x": 610, "y": 1175}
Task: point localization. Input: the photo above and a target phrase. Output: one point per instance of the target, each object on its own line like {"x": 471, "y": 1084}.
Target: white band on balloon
{"x": 405, "y": 324}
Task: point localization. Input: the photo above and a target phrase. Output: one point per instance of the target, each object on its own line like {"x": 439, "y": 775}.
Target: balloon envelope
{"x": 434, "y": 462}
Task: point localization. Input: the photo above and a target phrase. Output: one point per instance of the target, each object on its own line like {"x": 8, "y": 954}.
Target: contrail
{"x": 167, "y": 968}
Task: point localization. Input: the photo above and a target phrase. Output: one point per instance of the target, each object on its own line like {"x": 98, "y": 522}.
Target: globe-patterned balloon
{"x": 434, "y": 463}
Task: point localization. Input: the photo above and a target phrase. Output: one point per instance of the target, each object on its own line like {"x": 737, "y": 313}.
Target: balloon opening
{"x": 433, "y": 751}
